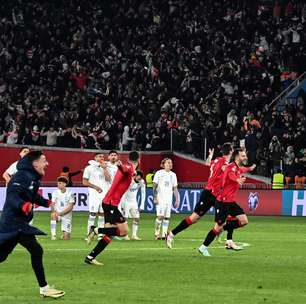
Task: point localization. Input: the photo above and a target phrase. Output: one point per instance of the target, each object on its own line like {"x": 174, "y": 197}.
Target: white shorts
{"x": 163, "y": 209}
{"x": 129, "y": 210}
{"x": 95, "y": 203}
{"x": 65, "y": 223}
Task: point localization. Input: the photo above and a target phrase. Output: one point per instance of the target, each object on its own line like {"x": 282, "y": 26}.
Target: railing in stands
{"x": 284, "y": 93}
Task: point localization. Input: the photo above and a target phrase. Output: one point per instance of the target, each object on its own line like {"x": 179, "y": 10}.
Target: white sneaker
{"x": 231, "y": 245}
{"x": 204, "y": 251}
{"x": 51, "y": 292}
{"x": 169, "y": 240}
{"x": 135, "y": 238}
{"x": 92, "y": 262}
{"x": 53, "y": 238}
{"x": 126, "y": 238}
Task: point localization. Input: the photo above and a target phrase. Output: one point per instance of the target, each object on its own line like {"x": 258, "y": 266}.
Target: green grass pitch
{"x": 271, "y": 270}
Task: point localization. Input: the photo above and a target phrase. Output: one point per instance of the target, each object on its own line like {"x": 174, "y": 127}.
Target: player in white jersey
{"x": 97, "y": 178}
{"x": 164, "y": 186}
{"x": 129, "y": 204}
{"x": 61, "y": 211}
{"x": 12, "y": 169}
{"x": 111, "y": 166}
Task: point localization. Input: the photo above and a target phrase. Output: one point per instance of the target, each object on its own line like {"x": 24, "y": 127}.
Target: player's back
{"x": 120, "y": 185}
{"x": 216, "y": 175}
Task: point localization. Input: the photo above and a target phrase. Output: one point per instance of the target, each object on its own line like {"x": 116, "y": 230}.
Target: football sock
{"x": 91, "y": 222}
{"x": 165, "y": 227}
{"x": 53, "y": 227}
{"x": 157, "y": 226}
{"x": 99, "y": 247}
{"x": 110, "y": 231}
{"x": 210, "y": 237}
{"x": 134, "y": 229}
{"x": 101, "y": 221}
{"x": 184, "y": 224}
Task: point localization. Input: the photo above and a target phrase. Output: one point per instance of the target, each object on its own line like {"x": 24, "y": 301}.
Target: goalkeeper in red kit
{"x": 226, "y": 200}
{"x": 115, "y": 223}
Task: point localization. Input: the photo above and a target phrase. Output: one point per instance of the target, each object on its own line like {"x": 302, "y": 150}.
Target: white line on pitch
{"x": 132, "y": 249}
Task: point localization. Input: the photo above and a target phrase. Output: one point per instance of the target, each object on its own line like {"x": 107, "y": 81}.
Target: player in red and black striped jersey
{"x": 208, "y": 195}
{"x": 115, "y": 223}
{"x": 226, "y": 200}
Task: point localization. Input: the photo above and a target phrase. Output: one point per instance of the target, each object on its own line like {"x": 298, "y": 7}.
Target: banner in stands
{"x": 262, "y": 202}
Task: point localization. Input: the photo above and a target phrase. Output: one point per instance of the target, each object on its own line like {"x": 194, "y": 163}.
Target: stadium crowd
{"x": 122, "y": 74}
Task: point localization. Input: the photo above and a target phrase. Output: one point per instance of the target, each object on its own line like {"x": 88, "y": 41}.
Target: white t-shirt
{"x": 12, "y": 169}
{"x": 165, "y": 182}
{"x": 130, "y": 196}
{"x": 95, "y": 175}
{"x": 62, "y": 200}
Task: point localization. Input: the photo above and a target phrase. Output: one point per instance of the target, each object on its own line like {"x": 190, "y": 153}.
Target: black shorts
{"x": 223, "y": 210}
{"x": 112, "y": 214}
{"x": 206, "y": 201}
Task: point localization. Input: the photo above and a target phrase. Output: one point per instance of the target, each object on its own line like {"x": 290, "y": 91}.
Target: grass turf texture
{"x": 271, "y": 270}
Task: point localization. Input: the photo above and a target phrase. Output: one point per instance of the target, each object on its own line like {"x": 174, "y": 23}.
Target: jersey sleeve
{"x": 71, "y": 198}
{"x": 174, "y": 180}
{"x": 156, "y": 178}
{"x": 86, "y": 173}
{"x": 12, "y": 169}
{"x": 245, "y": 169}
{"x": 53, "y": 198}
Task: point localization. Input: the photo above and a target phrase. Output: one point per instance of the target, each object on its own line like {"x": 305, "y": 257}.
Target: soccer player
{"x": 111, "y": 166}
{"x": 208, "y": 195}
{"x": 61, "y": 211}
{"x": 97, "y": 178}
{"x": 115, "y": 224}
{"x": 12, "y": 169}
{"x": 129, "y": 205}
{"x": 164, "y": 186}
{"x": 226, "y": 200}
{"x": 21, "y": 195}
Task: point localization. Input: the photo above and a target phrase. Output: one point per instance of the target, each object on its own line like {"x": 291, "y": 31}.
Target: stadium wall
{"x": 188, "y": 169}
{"x": 261, "y": 202}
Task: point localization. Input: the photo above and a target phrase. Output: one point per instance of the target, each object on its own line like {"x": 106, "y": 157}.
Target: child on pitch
{"x": 64, "y": 201}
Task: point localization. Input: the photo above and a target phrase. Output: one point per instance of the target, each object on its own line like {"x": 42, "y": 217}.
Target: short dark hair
{"x": 65, "y": 169}
{"x": 98, "y": 153}
{"x": 140, "y": 173}
{"x": 236, "y": 152}
{"x": 63, "y": 179}
{"x": 112, "y": 151}
{"x": 226, "y": 148}
{"x": 23, "y": 148}
{"x": 134, "y": 156}
{"x": 34, "y": 155}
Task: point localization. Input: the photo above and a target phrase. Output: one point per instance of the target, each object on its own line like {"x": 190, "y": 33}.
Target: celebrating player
{"x": 208, "y": 195}
{"x": 97, "y": 178}
{"x": 22, "y": 194}
{"x": 62, "y": 209}
{"x": 115, "y": 224}
{"x": 164, "y": 186}
{"x": 129, "y": 205}
{"x": 12, "y": 169}
{"x": 226, "y": 200}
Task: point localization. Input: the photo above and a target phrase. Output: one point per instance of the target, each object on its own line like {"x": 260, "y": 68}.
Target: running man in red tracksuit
{"x": 226, "y": 200}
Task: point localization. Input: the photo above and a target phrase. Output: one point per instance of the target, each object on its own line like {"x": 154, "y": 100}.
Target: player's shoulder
{"x": 56, "y": 192}
{"x": 231, "y": 166}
